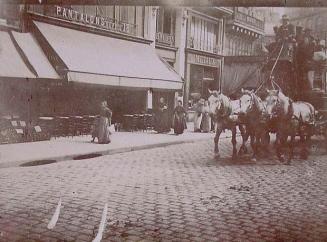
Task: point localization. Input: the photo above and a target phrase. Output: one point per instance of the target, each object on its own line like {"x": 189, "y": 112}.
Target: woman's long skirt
{"x": 179, "y": 124}
{"x": 103, "y": 132}
{"x": 162, "y": 122}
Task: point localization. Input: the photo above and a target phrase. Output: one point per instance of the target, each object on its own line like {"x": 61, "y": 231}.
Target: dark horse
{"x": 225, "y": 114}
{"x": 254, "y": 114}
{"x": 292, "y": 118}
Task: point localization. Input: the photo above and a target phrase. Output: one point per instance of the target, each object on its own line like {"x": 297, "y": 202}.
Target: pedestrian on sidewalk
{"x": 95, "y": 129}
{"x": 162, "y": 123}
{"x": 206, "y": 119}
{"x": 198, "y": 108}
{"x": 179, "y": 120}
{"x": 104, "y": 123}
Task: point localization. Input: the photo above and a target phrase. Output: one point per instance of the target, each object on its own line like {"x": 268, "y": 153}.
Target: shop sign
{"x": 98, "y": 21}
{"x": 202, "y": 60}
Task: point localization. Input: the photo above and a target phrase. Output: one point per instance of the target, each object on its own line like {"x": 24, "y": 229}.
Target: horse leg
{"x": 279, "y": 143}
{"x": 304, "y": 143}
{"x": 216, "y": 140}
{"x": 257, "y": 143}
{"x": 245, "y": 137}
{"x": 291, "y": 146}
{"x": 265, "y": 138}
{"x": 234, "y": 156}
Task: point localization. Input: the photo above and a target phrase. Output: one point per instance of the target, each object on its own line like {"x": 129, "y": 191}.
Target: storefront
{"x": 128, "y": 74}
{"x": 203, "y": 73}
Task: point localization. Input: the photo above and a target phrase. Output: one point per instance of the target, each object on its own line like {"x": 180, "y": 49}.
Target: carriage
{"x": 285, "y": 73}
{"x": 302, "y": 79}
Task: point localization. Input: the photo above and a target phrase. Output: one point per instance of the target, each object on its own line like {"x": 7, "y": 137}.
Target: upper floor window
{"x": 204, "y": 35}
{"x": 166, "y": 20}
{"x": 165, "y": 27}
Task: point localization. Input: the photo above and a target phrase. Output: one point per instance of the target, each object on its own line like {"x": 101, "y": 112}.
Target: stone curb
{"x": 102, "y": 153}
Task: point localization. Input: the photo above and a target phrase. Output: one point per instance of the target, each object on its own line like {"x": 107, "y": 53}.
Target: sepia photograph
{"x": 141, "y": 121}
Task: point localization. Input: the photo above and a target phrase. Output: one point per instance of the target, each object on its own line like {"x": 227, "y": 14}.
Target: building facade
{"x": 243, "y": 50}
{"x": 209, "y": 48}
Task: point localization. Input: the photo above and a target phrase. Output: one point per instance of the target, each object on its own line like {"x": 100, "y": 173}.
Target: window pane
{"x": 90, "y": 10}
{"x": 140, "y": 20}
{"x": 123, "y": 13}
{"x": 110, "y": 11}
{"x": 131, "y": 15}
{"x": 167, "y": 21}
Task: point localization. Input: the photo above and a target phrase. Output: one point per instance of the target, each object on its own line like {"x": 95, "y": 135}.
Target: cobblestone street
{"x": 176, "y": 193}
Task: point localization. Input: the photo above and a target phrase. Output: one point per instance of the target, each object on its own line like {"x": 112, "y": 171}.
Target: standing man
{"x": 286, "y": 32}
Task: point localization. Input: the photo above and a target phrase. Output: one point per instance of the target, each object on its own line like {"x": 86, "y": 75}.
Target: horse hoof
{"x": 254, "y": 159}
{"x": 217, "y": 155}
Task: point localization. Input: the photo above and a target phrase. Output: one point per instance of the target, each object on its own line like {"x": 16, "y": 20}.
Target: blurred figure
{"x": 198, "y": 108}
{"x": 179, "y": 120}
{"x": 206, "y": 119}
{"x": 104, "y": 123}
{"x": 162, "y": 124}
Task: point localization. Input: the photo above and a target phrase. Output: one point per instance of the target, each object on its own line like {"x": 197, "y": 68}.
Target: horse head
{"x": 276, "y": 103}
{"x": 215, "y": 101}
{"x": 246, "y": 101}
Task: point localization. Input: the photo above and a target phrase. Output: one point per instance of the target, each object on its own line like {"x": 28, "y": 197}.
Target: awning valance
{"x": 96, "y": 59}
{"x": 11, "y": 63}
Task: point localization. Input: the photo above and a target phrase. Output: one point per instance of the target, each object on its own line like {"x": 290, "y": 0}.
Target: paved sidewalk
{"x": 67, "y": 148}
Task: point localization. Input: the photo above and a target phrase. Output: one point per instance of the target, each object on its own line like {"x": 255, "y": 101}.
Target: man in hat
{"x": 286, "y": 31}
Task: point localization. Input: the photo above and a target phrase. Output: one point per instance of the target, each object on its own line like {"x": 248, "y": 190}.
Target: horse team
{"x": 257, "y": 118}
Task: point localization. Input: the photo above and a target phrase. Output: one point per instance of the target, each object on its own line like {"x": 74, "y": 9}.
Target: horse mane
{"x": 226, "y": 106}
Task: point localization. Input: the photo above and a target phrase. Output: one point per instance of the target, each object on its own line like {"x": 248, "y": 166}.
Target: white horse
{"x": 253, "y": 112}
{"x": 292, "y": 118}
{"x": 225, "y": 114}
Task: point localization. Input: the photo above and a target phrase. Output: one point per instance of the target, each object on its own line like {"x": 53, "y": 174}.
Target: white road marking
{"x": 102, "y": 225}
{"x": 55, "y": 216}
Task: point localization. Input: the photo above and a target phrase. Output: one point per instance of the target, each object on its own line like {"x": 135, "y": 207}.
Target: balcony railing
{"x": 214, "y": 48}
{"x": 166, "y": 39}
{"x": 249, "y": 20}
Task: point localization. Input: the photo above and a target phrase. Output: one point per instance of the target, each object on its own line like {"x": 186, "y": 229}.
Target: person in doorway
{"x": 162, "y": 117}
{"x": 206, "y": 119}
{"x": 198, "y": 108}
{"x": 104, "y": 123}
{"x": 179, "y": 120}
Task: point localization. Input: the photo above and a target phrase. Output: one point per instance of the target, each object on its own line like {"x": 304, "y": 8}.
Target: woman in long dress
{"x": 104, "y": 123}
{"x": 162, "y": 118}
{"x": 179, "y": 120}
{"x": 206, "y": 119}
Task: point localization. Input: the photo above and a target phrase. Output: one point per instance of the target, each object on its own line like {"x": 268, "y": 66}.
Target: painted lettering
{"x": 97, "y": 20}
{"x": 58, "y": 10}
{"x": 70, "y": 13}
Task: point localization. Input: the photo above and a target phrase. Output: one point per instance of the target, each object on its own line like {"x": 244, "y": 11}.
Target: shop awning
{"x": 97, "y": 59}
{"x": 11, "y": 63}
{"x": 35, "y": 55}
